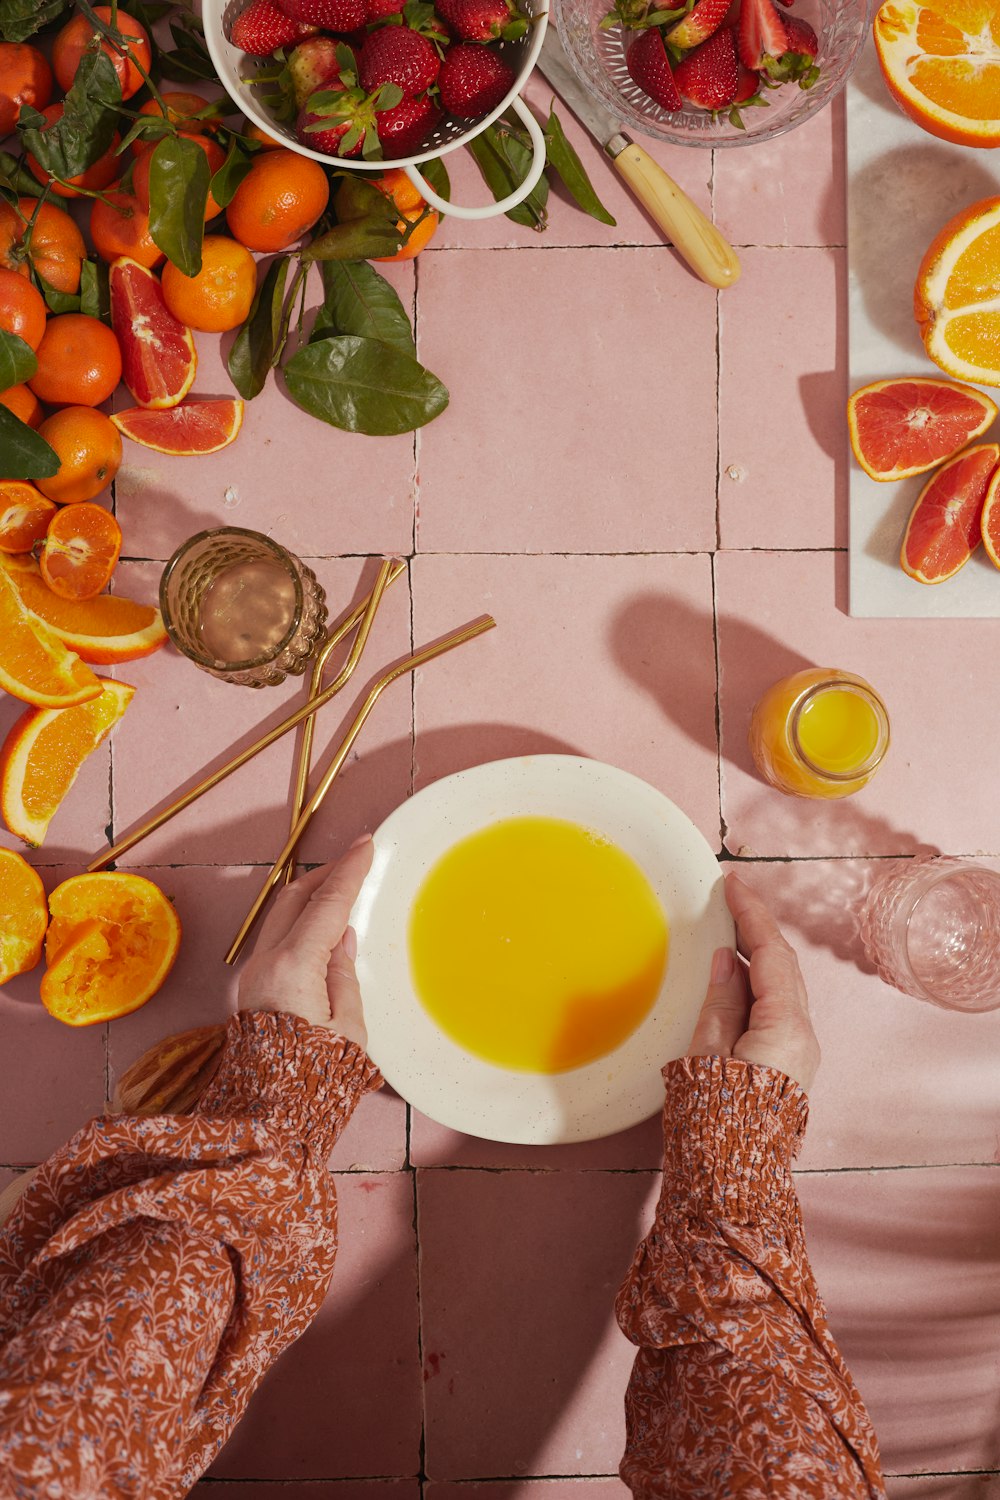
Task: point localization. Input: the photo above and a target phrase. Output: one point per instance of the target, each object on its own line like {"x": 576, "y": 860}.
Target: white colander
{"x": 233, "y": 66}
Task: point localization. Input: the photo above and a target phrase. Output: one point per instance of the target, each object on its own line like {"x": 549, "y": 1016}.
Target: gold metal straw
{"x": 387, "y": 572}
{"x": 409, "y": 663}
{"x": 311, "y": 706}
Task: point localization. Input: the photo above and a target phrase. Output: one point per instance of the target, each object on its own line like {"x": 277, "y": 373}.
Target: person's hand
{"x": 765, "y": 1021}
{"x": 304, "y": 959}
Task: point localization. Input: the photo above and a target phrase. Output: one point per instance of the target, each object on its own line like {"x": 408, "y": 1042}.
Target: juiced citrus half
{"x": 906, "y": 426}
{"x": 111, "y": 943}
{"x": 192, "y": 428}
{"x": 956, "y": 300}
{"x": 35, "y": 665}
{"x": 944, "y": 526}
{"x": 104, "y": 630}
{"x": 941, "y": 63}
{"x": 158, "y": 354}
{"x": 24, "y": 915}
{"x": 43, "y": 753}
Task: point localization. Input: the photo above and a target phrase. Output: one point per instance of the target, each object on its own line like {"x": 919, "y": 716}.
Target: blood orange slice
{"x": 158, "y": 354}
{"x": 944, "y": 529}
{"x": 989, "y": 521}
{"x": 906, "y": 426}
{"x": 192, "y": 428}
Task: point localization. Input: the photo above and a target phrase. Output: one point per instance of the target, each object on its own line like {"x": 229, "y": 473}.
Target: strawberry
{"x": 482, "y": 20}
{"x": 473, "y": 80}
{"x": 761, "y": 33}
{"x": 708, "y": 76}
{"x": 263, "y": 28}
{"x": 335, "y": 15}
{"x": 382, "y": 10}
{"x": 649, "y": 67}
{"x": 340, "y": 118}
{"x": 395, "y": 54}
{"x": 404, "y": 128}
{"x": 311, "y": 64}
{"x": 797, "y": 63}
{"x": 698, "y": 25}
{"x": 748, "y": 95}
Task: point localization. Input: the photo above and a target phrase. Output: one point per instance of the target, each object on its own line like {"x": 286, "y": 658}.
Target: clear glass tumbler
{"x": 241, "y": 607}
{"x": 931, "y": 927}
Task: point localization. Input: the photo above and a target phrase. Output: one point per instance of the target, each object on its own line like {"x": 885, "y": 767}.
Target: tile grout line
{"x": 422, "y": 1455}
{"x": 507, "y": 553}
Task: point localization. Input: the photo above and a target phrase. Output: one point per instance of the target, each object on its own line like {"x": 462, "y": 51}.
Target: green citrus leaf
{"x": 504, "y": 161}
{"x": 437, "y": 175}
{"x": 256, "y": 345}
{"x": 23, "y": 454}
{"x": 359, "y": 301}
{"x": 95, "y": 298}
{"x": 179, "y": 177}
{"x": 362, "y": 385}
{"x": 87, "y": 126}
{"x": 17, "y": 361}
{"x": 232, "y": 172}
{"x": 568, "y": 167}
{"x": 20, "y": 19}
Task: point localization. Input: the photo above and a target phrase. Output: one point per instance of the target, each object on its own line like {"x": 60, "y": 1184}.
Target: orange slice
{"x": 159, "y": 360}
{"x": 80, "y": 550}
{"x": 111, "y": 943}
{"x": 191, "y": 428}
{"x": 944, "y": 526}
{"x": 24, "y": 515}
{"x": 908, "y": 425}
{"x": 104, "y": 630}
{"x": 35, "y": 666}
{"x": 43, "y": 753}
{"x": 941, "y": 63}
{"x": 956, "y": 300}
{"x": 24, "y": 915}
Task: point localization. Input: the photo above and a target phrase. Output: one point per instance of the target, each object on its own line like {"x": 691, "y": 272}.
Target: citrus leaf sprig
{"x": 88, "y": 123}
{"x": 502, "y": 153}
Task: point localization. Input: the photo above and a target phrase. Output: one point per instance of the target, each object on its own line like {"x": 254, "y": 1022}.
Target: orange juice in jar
{"x": 819, "y": 733}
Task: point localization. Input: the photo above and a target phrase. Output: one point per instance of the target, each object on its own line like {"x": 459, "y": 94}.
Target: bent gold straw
{"x": 311, "y": 706}
{"x": 408, "y": 664}
{"x": 387, "y": 573}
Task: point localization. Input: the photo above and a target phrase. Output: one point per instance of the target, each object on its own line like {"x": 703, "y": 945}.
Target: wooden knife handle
{"x": 693, "y": 236}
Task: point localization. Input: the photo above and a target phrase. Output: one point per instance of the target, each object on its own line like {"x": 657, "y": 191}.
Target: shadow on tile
{"x": 822, "y": 905}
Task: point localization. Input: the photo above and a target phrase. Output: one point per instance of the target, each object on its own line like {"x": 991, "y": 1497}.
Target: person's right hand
{"x": 766, "y": 1021}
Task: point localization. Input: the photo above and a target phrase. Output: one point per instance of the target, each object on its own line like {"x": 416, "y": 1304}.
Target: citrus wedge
{"x": 104, "y": 630}
{"x": 80, "y": 551}
{"x": 24, "y": 515}
{"x": 906, "y": 426}
{"x": 111, "y": 943}
{"x": 194, "y": 427}
{"x": 989, "y": 521}
{"x": 159, "y": 360}
{"x": 24, "y": 915}
{"x": 43, "y": 753}
{"x": 35, "y": 665}
{"x": 956, "y": 300}
{"x": 941, "y": 63}
{"x": 944, "y": 526}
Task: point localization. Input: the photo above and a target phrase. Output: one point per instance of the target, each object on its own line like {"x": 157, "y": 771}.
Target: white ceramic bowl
{"x": 462, "y": 1091}
{"x": 233, "y": 66}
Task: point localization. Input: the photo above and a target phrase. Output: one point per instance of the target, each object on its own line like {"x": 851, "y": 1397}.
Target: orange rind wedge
{"x": 941, "y": 63}
{"x": 159, "y": 360}
{"x": 908, "y": 425}
{"x": 35, "y": 665}
{"x": 24, "y": 915}
{"x": 193, "y": 428}
{"x": 944, "y": 528}
{"x": 103, "y": 631}
{"x": 956, "y": 300}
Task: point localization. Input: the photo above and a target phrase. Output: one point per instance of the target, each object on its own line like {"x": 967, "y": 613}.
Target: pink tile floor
{"x": 645, "y": 483}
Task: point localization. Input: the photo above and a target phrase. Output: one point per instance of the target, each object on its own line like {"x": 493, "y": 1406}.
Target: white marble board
{"x": 902, "y": 186}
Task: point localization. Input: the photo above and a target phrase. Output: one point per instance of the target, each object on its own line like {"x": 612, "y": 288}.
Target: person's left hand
{"x": 304, "y": 959}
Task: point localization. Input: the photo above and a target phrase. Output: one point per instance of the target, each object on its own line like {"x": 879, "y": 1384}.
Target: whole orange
{"x": 140, "y": 174}
{"x": 220, "y": 296}
{"x": 22, "y": 308}
{"x": 25, "y": 78}
{"x": 180, "y": 108}
{"x": 119, "y": 225}
{"x": 281, "y": 197}
{"x": 396, "y": 185}
{"x": 23, "y": 403}
{"x": 56, "y": 247}
{"x": 97, "y": 175}
{"x": 79, "y": 36}
{"x": 89, "y": 448}
{"x": 79, "y": 362}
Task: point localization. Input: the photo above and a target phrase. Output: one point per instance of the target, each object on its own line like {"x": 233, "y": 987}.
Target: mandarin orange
{"x": 281, "y": 197}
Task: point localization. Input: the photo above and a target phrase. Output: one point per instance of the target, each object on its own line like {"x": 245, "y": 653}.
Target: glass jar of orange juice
{"x": 819, "y": 733}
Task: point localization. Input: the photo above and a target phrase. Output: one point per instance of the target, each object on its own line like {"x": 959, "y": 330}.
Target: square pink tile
{"x": 558, "y": 435}
{"x": 79, "y": 824}
{"x": 434, "y": 1145}
{"x": 319, "y": 491}
{"x": 568, "y": 225}
{"x": 779, "y": 612}
{"x": 493, "y": 1247}
{"x": 529, "y": 1489}
{"x": 783, "y": 459}
{"x": 201, "y": 991}
{"x": 609, "y": 657}
{"x": 945, "y": 1487}
{"x": 936, "y": 1101}
{"x": 906, "y": 1263}
{"x": 332, "y": 1489}
{"x": 344, "y": 1402}
{"x": 789, "y": 191}
{"x": 183, "y": 721}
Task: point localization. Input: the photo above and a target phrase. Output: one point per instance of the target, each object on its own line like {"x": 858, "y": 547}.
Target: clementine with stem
{"x": 89, "y": 449}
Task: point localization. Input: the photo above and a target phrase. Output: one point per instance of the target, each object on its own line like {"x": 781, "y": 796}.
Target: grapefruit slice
{"x": 104, "y": 630}
{"x": 941, "y": 63}
{"x": 159, "y": 360}
{"x": 989, "y": 521}
{"x": 909, "y": 425}
{"x": 956, "y": 301}
{"x": 25, "y": 915}
{"x": 35, "y": 666}
{"x": 944, "y": 526}
{"x": 193, "y": 428}
{"x": 43, "y": 753}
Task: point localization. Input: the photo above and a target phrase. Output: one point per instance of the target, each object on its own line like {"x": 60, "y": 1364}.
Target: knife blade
{"x": 693, "y": 236}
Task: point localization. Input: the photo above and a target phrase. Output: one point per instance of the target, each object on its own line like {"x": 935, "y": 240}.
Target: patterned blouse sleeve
{"x": 738, "y": 1387}
{"x": 155, "y": 1268}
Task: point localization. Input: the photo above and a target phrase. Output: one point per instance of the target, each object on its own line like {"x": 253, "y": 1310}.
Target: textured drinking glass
{"x": 241, "y": 607}
{"x": 931, "y": 927}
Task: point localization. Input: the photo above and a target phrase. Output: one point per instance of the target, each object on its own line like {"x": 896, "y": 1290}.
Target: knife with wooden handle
{"x": 695, "y": 238}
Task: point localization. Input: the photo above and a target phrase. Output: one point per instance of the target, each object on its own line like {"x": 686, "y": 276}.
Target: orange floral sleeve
{"x": 155, "y": 1268}
{"x": 738, "y": 1387}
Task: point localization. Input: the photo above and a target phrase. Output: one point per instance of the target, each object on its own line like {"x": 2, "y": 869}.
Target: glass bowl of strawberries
{"x": 713, "y": 72}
